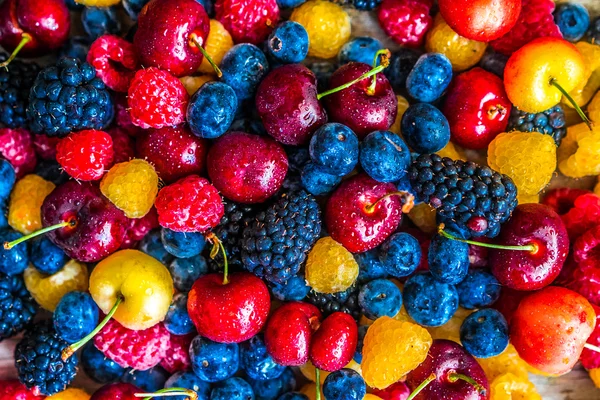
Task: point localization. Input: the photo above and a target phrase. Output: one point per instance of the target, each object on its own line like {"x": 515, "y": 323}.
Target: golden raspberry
{"x": 98, "y": 3}
{"x": 423, "y": 216}
{"x": 527, "y": 198}
{"x": 591, "y": 82}
{"x": 47, "y": 290}
{"x": 595, "y": 376}
{"x": 131, "y": 186}
{"x": 451, "y": 329}
{"x": 579, "y": 151}
{"x": 529, "y": 158}
{"x": 327, "y": 25}
{"x": 391, "y": 350}
{"x": 218, "y": 43}
{"x": 452, "y": 151}
{"x": 330, "y": 268}
{"x": 26, "y": 200}
{"x": 463, "y": 53}
{"x": 193, "y": 83}
{"x": 511, "y": 387}
{"x": 594, "y": 109}
{"x": 70, "y": 394}
{"x": 508, "y": 361}
{"x": 402, "y": 106}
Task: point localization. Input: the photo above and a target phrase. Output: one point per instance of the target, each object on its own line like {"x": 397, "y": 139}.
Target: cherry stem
{"x": 218, "y": 245}
{"x": 533, "y": 248}
{"x": 454, "y": 376}
{"x": 317, "y": 384}
{"x": 10, "y": 245}
{"x": 176, "y": 391}
{"x": 422, "y": 386}
{"x": 25, "y": 38}
{"x": 68, "y": 351}
{"x": 584, "y": 117}
{"x": 385, "y": 56}
{"x": 409, "y": 201}
{"x": 194, "y": 38}
{"x": 592, "y": 347}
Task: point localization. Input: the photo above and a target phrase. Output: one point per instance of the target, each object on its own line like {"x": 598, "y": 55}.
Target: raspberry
{"x": 330, "y": 268}
{"x": 123, "y": 117}
{"x": 85, "y": 155}
{"x": 590, "y": 359}
{"x": 177, "y": 356}
{"x": 123, "y": 145}
{"x": 527, "y": 157}
{"x": 156, "y": 99}
{"x": 535, "y": 21}
{"x": 587, "y": 246}
{"x": 26, "y": 199}
{"x": 508, "y": 386}
{"x": 45, "y": 147}
{"x": 585, "y": 280}
{"x": 191, "y": 204}
{"x": 115, "y": 61}
{"x": 15, "y": 83}
{"x": 391, "y": 349}
{"x": 131, "y": 186}
{"x": 584, "y": 215}
{"x": 70, "y": 394}
{"x": 218, "y": 43}
{"x": 506, "y": 362}
{"x": 17, "y": 308}
{"x": 406, "y": 21}
{"x": 579, "y": 153}
{"x": 561, "y": 200}
{"x": 248, "y": 21}
{"x": 140, "y": 350}
{"x": 17, "y": 147}
{"x": 139, "y": 228}
{"x": 15, "y": 390}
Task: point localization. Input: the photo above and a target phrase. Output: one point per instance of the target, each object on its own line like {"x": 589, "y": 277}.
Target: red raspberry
{"x": 562, "y": 199}
{"x": 191, "y": 204}
{"x": 156, "y": 99}
{"x": 123, "y": 145}
{"x": 535, "y": 21}
{"x": 45, "y": 146}
{"x": 178, "y": 354}
{"x": 585, "y": 280}
{"x": 248, "y": 21}
{"x": 584, "y": 215}
{"x": 406, "y": 21}
{"x": 140, "y": 350}
{"x": 16, "y": 145}
{"x": 138, "y": 228}
{"x": 85, "y": 155}
{"x": 115, "y": 61}
{"x": 122, "y": 116}
{"x": 587, "y": 246}
{"x": 590, "y": 358}
{"x": 15, "y": 390}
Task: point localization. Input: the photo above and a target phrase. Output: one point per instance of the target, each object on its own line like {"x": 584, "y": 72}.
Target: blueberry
{"x": 317, "y": 181}
{"x": 232, "y": 389}
{"x": 76, "y": 47}
{"x": 133, "y": 7}
{"x": 288, "y": 43}
{"x": 425, "y": 128}
{"x": 335, "y": 148}
{"x": 293, "y": 396}
{"x": 213, "y": 361}
{"x": 185, "y": 271}
{"x": 448, "y": 259}
{"x": 273, "y": 388}
{"x": 150, "y": 380}
{"x": 345, "y": 384}
{"x": 484, "y": 333}
{"x": 362, "y": 331}
{"x": 400, "y": 255}
{"x": 370, "y": 267}
{"x": 494, "y": 63}
{"x": 177, "y": 321}
{"x": 152, "y": 245}
{"x": 257, "y": 362}
{"x": 7, "y": 179}
{"x": 182, "y": 244}
{"x": 211, "y": 110}
{"x": 479, "y": 289}
{"x": 98, "y": 367}
{"x": 401, "y": 63}
{"x": 209, "y": 7}
{"x": 75, "y": 316}
{"x": 573, "y": 20}
{"x": 98, "y": 21}
{"x": 15, "y": 260}
{"x": 3, "y": 213}
{"x": 429, "y": 302}
{"x": 378, "y": 298}
{"x": 429, "y": 78}
{"x": 243, "y": 67}
{"x": 384, "y": 156}
{"x": 287, "y": 4}
{"x": 47, "y": 257}
{"x": 294, "y": 289}
{"x": 188, "y": 380}
{"x": 360, "y": 49}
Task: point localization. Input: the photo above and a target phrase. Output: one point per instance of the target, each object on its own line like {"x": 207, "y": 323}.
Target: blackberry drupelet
{"x": 275, "y": 243}
{"x": 39, "y": 363}
{"x": 17, "y": 307}
{"x": 68, "y": 97}
{"x": 328, "y": 303}
{"x": 469, "y": 198}
{"x": 366, "y": 5}
{"x": 15, "y": 83}
{"x": 550, "y": 122}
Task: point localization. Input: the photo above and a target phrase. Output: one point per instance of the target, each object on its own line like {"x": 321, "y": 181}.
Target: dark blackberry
{"x": 17, "y": 308}
{"x": 39, "y": 363}
{"x": 593, "y": 33}
{"x": 68, "y": 97}
{"x": 15, "y": 84}
{"x": 328, "y": 303}
{"x": 550, "y": 122}
{"x": 366, "y": 5}
{"x": 471, "y": 198}
{"x": 275, "y": 243}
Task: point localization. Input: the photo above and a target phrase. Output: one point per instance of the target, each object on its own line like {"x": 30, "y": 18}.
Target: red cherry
{"x": 397, "y": 391}
{"x": 15, "y": 390}
{"x": 116, "y": 391}
{"x": 334, "y": 343}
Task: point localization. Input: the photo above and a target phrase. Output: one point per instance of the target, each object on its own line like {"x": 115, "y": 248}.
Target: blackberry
{"x": 275, "y": 243}
{"x": 51, "y": 171}
{"x": 15, "y": 83}
{"x": 68, "y": 97}
{"x": 328, "y": 303}
{"x": 473, "y": 199}
{"x": 39, "y": 363}
{"x": 593, "y": 33}
{"x": 366, "y": 5}
{"x": 550, "y": 122}
{"x": 17, "y": 307}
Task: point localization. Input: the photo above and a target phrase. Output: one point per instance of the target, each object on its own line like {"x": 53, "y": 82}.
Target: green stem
{"x": 454, "y": 376}
{"x": 25, "y": 38}
{"x": 408, "y": 200}
{"x": 366, "y": 75}
{"x": 385, "y": 55}
{"x": 422, "y": 386}
{"x": 584, "y": 117}
{"x": 10, "y": 245}
{"x": 68, "y": 352}
{"x": 317, "y": 384}
{"x": 533, "y": 248}
{"x": 194, "y": 39}
{"x": 218, "y": 245}
{"x": 176, "y": 391}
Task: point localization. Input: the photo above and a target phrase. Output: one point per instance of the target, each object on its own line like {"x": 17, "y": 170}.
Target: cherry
{"x": 127, "y": 391}
{"x": 397, "y": 391}
{"x": 334, "y": 343}
{"x": 509, "y": 301}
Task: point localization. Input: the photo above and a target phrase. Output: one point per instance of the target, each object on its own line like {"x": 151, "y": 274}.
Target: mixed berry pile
{"x": 240, "y": 200}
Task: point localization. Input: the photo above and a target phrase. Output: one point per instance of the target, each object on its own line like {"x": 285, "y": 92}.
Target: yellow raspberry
{"x": 452, "y": 151}
{"x": 330, "y": 268}
{"x": 218, "y": 43}
{"x": 511, "y": 387}
{"x": 402, "y": 107}
{"x": 451, "y": 329}
{"x": 423, "y": 216}
{"x": 508, "y": 361}
{"x": 391, "y": 350}
{"x": 463, "y": 53}
{"x": 529, "y": 158}
{"x": 70, "y": 394}
{"x": 327, "y": 25}
{"x": 25, "y": 202}
{"x": 47, "y": 290}
{"x": 595, "y": 376}
{"x": 193, "y": 83}
{"x": 131, "y": 186}
{"x": 594, "y": 109}
{"x": 403, "y": 316}
{"x": 588, "y": 86}
{"x": 526, "y": 198}
{"x": 579, "y": 151}
{"x": 98, "y": 3}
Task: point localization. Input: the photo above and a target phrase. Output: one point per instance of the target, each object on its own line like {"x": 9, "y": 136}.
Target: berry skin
{"x": 479, "y": 289}
{"x": 360, "y": 49}
{"x": 85, "y": 155}
{"x": 25, "y": 202}
{"x": 406, "y": 21}
{"x": 177, "y": 357}
{"x": 384, "y": 156}
{"x": 75, "y": 316}
{"x": 152, "y": 245}
{"x": 328, "y": 303}
{"x": 550, "y": 122}
{"x": 15, "y": 83}
{"x": 288, "y": 43}
{"x": 211, "y": 110}
{"x": 131, "y": 186}
{"x": 156, "y": 99}
{"x": 330, "y": 268}
{"x": 583, "y": 215}
{"x": 484, "y": 333}
{"x": 429, "y": 78}
{"x": 212, "y": 361}
{"x": 15, "y": 390}
{"x": 177, "y": 321}
{"x": 400, "y": 255}
{"x": 150, "y": 380}
{"x": 232, "y": 389}
{"x": 15, "y": 260}
{"x": 17, "y": 308}
{"x": 579, "y": 153}
{"x": 16, "y": 146}
{"x": 191, "y": 204}
{"x": 316, "y": 181}
{"x": 257, "y": 362}
{"x": 294, "y": 289}
{"x": 189, "y": 380}
{"x": 182, "y": 244}
{"x": 327, "y": 25}
{"x": 344, "y": 384}
{"x": 334, "y": 342}
{"x": 334, "y": 147}
{"x": 391, "y": 349}
{"x": 508, "y": 386}
{"x": 593, "y": 34}
{"x": 429, "y": 302}
{"x": 448, "y": 259}
{"x": 243, "y": 67}
{"x": 98, "y": 21}
{"x": 98, "y": 367}
{"x": 248, "y": 21}
{"x": 218, "y": 43}
{"x": 8, "y": 178}
{"x": 425, "y": 128}
{"x": 562, "y": 200}
{"x": 573, "y": 20}
{"x": 380, "y": 297}
{"x": 115, "y": 61}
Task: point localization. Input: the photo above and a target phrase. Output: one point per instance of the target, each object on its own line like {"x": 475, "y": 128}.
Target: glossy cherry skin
{"x": 477, "y": 108}
{"x": 117, "y": 391}
{"x": 509, "y": 301}
{"x": 397, "y": 391}
{"x": 481, "y": 20}
{"x": 287, "y": 103}
{"x": 445, "y": 358}
{"x": 355, "y": 107}
{"x": 550, "y": 328}
{"x": 350, "y": 221}
{"x": 247, "y": 168}
{"x": 334, "y": 343}
{"x": 535, "y": 224}
{"x": 48, "y": 22}
{"x": 229, "y": 313}
{"x": 164, "y": 35}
